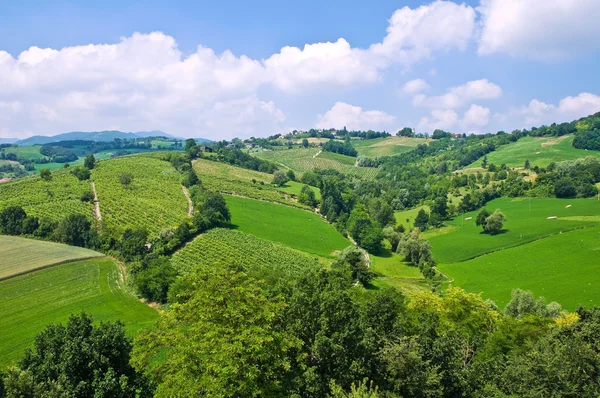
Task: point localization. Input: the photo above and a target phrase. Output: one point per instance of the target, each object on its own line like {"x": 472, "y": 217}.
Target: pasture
{"x": 407, "y": 217}
{"x": 461, "y": 240}
{"x": 154, "y": 200}
{"x": 20, "y": 255}
{"x": 391, "y": 270}
{"x": 387, "y": 146}
{"x": 540, "y": 151}
{"x": 29, "y": 302}
{"x": 292, "y": 227}
{"x": 562, "y": 268}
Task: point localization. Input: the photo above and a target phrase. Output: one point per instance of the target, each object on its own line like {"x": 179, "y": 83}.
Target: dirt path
{"x": 97, "y": 213}
{"x": 190, "y": 203}
{"x": 317, "y": 154}
{"x": 364, "y": 252}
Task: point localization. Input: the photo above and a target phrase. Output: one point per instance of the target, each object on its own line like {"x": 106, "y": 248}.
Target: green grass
{"x": 302, "y": 160}
{"x": 292, "y": 227}
{"x": 20, "y": 255}
{"x": 515, "y": 154}
{"x": 29, "y": 302}
{"x": 387, "y": 146}
{"x": 154, "y": 200}
{"x": 336, "y": 157}
{"x": 463, "y": 240}
{"x": 410, "y": 215}
{"x": 562, "y": 268}
{"x": 391, "y": 270}
{"x": 26, "y": 152}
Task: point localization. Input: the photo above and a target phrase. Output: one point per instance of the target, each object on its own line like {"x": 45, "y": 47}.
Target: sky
{"x": 224, "y": 69}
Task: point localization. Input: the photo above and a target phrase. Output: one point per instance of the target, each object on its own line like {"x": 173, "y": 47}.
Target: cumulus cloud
{"x": 543, "y": 29}
{"x": 354, "y": 118}
{"x": 569, "y": 108}
{"x": 459, "y": 96}
{"x": 415, "y": 86}
{"x": 476, "y": 116}
{"x": 439, "y": 119}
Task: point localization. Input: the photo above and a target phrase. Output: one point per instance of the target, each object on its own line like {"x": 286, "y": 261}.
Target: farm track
{"x": 189, "y": 200}
{"x": 97, "y": 213}
{"x": 317, "y": 154}
{"x": 29, "y": 271}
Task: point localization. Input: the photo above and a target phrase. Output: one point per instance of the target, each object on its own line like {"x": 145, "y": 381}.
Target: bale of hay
{"x": 537, "y": 153}
{"x": 567, "y": 206}
{"x": 468, "y": 218}
{"x": 552, "y": 218}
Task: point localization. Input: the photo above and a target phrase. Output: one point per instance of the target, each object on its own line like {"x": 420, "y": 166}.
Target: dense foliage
{"x": 343, "y": 148}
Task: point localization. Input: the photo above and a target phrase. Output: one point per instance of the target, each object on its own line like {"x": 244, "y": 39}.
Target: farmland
{"x": 302, "y": 160}
{"x": 391, "y": 270}
{"x": 29, "y": 302}
{"x": 256, "y": 256}
{"x": 562, "y": 268}
{"x": 154, "y": 200}
{"x": 238, "y": 181}
{"x": 407, "y": 217}
{"x": 295, "y": 228}
{"x": 551, "y": 149}
{"x": 387, "y": 146}
{"x": 20, "y": 255}
{"x": 53, "y": 199}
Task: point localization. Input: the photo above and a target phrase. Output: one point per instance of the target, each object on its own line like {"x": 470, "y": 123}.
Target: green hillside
{"x": 387, "y": 146}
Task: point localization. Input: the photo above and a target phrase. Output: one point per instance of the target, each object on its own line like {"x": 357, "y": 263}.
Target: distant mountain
{"x": 8, "y": 140}
{"x": 99, "y": 136}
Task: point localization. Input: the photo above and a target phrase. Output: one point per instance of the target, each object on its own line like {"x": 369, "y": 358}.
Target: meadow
{"x": 551, "y": 149}
{"x": 387, "y": 146}
{"x": 153, "y": 201}
{"x": 406, "y": 218}
{"x": 461, "y": 239}
{"x": 20, "y": 255}
{"x": 302, "y": 160}
{"x": 292, "y": 227}
{"x": 391, "y": 270}
{"x": 562, "y": 268}
{"x": 29, "y": 302}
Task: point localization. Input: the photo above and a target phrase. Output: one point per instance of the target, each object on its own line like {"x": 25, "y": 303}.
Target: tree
{"x": 82, "y": 173}
{"x": 221, "y": 339}
{"x": 485, "y": 162}
{"x": 494, "y": 222}
{"x": 422, "y": 220}
{"x": 189, "y": 143}
{"x": 279, "y": 178}
{"x": 30, "y": 225}
{"x": 364, "y": 230}
{"x": 89, "y": 162}
{"x": 46, "y": 174}
{"x": 392, "y": 236}
{"x": 78, "y": 360}
{"x": 214, "y": 208}
{"x": 415, "y": 249}
{"x": 11, "y": 220}
{"x": 406, "y": 132}
{"x": 307, "y": 196}
{"x": 133, "y": 244}
{"x": 565, "y": 188}
{"x": 189, "y": 178}
{"x": 481, "y": 217}
{"x": 355, "y": 258}
{"x": 126, "y": 179}
{"x": 73, "y": 230}
{"x": 154, "y": 280}
{"x": 527, "y": 165}
{"x": 290, "y": 175}
{"x": 304, "y": 143}
{"x": 440, "y": 207}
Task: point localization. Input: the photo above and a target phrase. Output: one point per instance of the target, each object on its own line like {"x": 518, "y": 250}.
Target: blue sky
{"x": 476, "y": 66}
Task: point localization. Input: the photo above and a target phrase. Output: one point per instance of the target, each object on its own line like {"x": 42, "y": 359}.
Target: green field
{"x": 229, "y": 179}
{"x": 551, "y": 149}
{"x": 54, "y": 199}
{"x": 562, "y": 268}
{"x": 336, "y": 157}
{"x": 302, "y": 160}
{"x": 26, "y": 152}
{"x": 295, "y": 228}
{"x": 391, "y": 270}
{"x": 20, "y": 255}
{"x": 407, "y": 217}
{"x": 387, "y": 146}
{"x": 154, "y": 200}
{"x": 461, "y": 240}
{"x": 256, "y": 256}
{"x": 29, "y": 302}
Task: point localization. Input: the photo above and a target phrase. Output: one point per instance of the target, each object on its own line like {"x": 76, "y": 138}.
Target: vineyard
{"x": 238, "y": 181}
{"x": 54, "y": 199}
{"x": 387, "y": 146}
{"x": 256, "y": 256}
{"x": 154, "y": 200}
{"x": 303, "y": 160}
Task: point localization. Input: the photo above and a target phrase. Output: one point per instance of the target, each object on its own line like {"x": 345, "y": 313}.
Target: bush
{"x": 153, "y": 282}
{"x": 565, "y": 188}
{"x": 307, "y": 197}
{"x": 11, "y": 220}
{"x": 87, "y": 196}
{"x": 279, "y": 178}
{"x": 30, "y": 225}
{"x": 73, "y": 230}
{"x": 81, "y": 173}
{"x": 494, "y": 222}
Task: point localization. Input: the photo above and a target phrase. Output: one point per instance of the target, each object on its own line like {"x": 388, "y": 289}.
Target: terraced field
{"x": 29, "y": 302}
{"x": 302, "y": 160}
{"x": 154, "y": 200}
{"x": 20, "y": 255}
{"x": 387, "y": 146}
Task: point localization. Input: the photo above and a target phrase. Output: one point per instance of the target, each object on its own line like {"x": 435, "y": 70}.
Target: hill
{"x": 387, "y": 146}
{"x": 98, "y": 136}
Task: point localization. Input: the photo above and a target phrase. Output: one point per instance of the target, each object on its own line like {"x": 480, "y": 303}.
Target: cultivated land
{"x": 238, "y": 181}
{"x": 29, "y": 302}
{"x": 302, "y": 160}
{"x": 20, "y": 255}
{"x": 461, "y": 240}
{"x": 391, "y": 270}
{"x": 295, "y": 228}
{"x": 562, "y": 268}
{"x": 387, "y": 146}
{"x": 55, "y": 199}
{"x": 258, "y": 257}
{"x": 407, "y": 217}
{"x": 154, "y": 200}
{"x": 551, "y": 149}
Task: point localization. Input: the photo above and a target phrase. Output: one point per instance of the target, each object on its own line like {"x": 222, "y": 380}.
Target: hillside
{"x": 387, "y": 146}
{"x": 99, "y": 136}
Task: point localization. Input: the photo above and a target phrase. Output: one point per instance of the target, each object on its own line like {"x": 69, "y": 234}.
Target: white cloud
{"x": 537, "y": 112}
{"x": 354, "y": 118}
{"x": 459, "y": 96}
{"x": 440, "y": 119}
{"x": 415, "y": 86}
{"x": 476, "y": 116}
{"x": 542, "y": 29}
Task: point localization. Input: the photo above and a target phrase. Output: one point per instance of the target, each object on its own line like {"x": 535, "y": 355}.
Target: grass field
{"x": 229, "y": 179}
{"x": 387, "y": 146}
{"x": 407, "y": 217}
{"x": 154, "y": 200}
{"x": 462, "y": 240}
{"x": 391, "y": 270}
{"x": 562, "y": 268}
{"x": 551, "y": 149}
{"x": 20, "y": 255}
{"x": 336, "y": 157}
{"x": 295, "y": 228}
{"x": 29, "y": 302}
{"x": 302, "y": 160}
